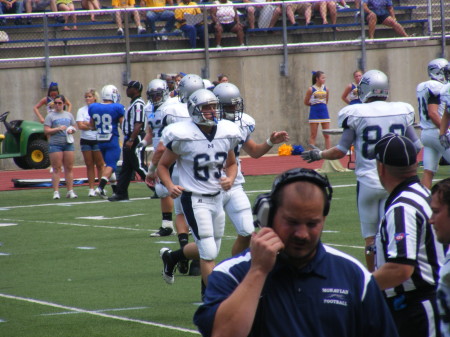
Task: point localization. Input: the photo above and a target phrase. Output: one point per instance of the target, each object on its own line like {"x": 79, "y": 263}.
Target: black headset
{"x": 263, "y": 208}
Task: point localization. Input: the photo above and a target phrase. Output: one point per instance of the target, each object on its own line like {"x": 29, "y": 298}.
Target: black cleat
{"x": 194, "y": 269}
{"x": 168, "y": 265}
{"x": 163, "y": 231}
{"x": 183, "y": 266}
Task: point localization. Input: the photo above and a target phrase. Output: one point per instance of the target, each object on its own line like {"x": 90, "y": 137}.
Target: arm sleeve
{"x": 347, "y": 139}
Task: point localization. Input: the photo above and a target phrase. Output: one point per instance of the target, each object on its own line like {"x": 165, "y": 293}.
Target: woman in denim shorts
{"x": 88, "y": 141}
{"x": 59, "y": 125}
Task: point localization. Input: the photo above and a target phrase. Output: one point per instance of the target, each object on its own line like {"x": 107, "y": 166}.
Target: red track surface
{"x": 250, "y": 167}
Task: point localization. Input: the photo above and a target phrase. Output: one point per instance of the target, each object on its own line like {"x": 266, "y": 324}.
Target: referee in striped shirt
{"x": 133, "y": 127}
{"x": 408, "y": 255}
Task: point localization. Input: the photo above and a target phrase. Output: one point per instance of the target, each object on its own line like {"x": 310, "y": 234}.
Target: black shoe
{"x": 163, "y": 231}
{"x": 168, "y": 265}
{"x": 183, "y": 266}
{"x": 118, "y": 197}
{"x": 194, "y": 269}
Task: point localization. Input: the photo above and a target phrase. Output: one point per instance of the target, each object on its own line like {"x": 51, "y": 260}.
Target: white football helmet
{"x": 110, "y": 93}
{"x": 374, "y": 83}
{"x": 207, "y": 84}
{"x": 231, "y": 103}
{"x": 438, "y": 70}
{"x": 188, "y": 84}
{"x": 157, "y": 92}
{"x": 196, "y": 102}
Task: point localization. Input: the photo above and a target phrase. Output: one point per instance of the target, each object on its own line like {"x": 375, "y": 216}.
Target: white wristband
{"x": 152, "y": 168}
{"x": 320, "y": 154}
{"x": 268, "y": 142}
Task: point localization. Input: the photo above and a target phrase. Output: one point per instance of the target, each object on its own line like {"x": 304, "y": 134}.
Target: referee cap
{"x": 395, "y": 150}
{"x": 135, "y": 84}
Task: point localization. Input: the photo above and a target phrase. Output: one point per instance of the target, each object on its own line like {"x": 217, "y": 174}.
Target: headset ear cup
{"x": 261, "y": 210}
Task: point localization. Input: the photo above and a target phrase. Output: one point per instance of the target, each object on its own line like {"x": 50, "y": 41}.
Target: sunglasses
{"x": 58, "y": 103}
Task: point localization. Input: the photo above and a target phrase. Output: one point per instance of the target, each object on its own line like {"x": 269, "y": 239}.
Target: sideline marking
{"x": 99, "y": 314}
{"x": 346, "y": 246}
{"x": 86, "y": 248}
{"x": 102, "y": 310}
{"x": 101, "y": 217}
{"x": 8, "y": 224}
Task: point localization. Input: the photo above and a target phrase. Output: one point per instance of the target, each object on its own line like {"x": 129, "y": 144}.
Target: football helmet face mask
{"x": 157, "y": 92}
{"x": 374, "y": 83}
{"x": 188, "y": 85}
{"x": 438, "y": 70}
{"x": 110, "y": 93}
{"x": 231, "y": 104}
{"x": 203, "y": 107}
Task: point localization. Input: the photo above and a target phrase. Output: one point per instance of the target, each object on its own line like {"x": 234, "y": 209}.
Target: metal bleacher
{"x": 101, "y": 37}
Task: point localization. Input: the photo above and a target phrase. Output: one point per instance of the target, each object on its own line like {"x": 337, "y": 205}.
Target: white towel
{"x": 69, "y": 136}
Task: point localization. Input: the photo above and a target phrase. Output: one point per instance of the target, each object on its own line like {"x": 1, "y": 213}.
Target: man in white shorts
{"x": 364, "y": 125}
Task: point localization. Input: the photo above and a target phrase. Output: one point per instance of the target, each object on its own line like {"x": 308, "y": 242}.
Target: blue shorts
{"x": 111, "y": 152}
{"x": 61, "y": 148}
{"x": 319, "y": 113}
{"x": 89, "y": 145}
{"x": 380, "y": 18}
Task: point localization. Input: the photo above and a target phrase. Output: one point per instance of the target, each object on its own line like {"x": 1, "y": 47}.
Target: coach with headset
{"x": 288, "y": 283}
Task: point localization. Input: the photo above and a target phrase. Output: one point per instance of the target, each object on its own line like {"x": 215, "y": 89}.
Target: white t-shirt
{"x": 83, "y": 116}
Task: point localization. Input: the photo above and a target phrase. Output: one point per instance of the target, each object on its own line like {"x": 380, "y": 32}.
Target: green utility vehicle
{"x": 25, "y": 142}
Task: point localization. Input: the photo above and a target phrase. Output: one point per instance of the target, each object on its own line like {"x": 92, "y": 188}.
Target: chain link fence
{"x": 286, "y": 24}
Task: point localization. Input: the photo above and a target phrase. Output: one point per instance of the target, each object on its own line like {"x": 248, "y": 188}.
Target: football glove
{"x": 143, "y": 143}
{"x": 313, "y": 155}
{"x": 445, "y": 140}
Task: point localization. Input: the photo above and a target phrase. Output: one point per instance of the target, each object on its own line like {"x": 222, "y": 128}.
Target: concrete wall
{"x": 275, "y": 101}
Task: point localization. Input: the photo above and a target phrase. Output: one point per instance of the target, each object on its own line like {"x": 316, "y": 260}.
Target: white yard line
{"x": 97, "y": 313}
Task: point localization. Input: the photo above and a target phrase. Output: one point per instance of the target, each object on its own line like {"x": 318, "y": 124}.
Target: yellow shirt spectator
{"x": 179, "y": 12}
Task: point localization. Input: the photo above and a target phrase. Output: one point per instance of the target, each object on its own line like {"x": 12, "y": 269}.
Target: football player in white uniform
{"x": 431, "y": 109}
{"x": 172, "y": 110}
{"x": 364, "y": 124}
{"x": 235, "y": 201}
{"x": 444, "y": 133}
{"x": 202, "y": 149}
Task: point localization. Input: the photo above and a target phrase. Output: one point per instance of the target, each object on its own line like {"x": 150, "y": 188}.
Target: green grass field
{"x": 88, "y": 267}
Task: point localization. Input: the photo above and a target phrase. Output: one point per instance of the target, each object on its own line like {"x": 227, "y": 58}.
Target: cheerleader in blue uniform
{"x": 317, "y": 98}
{"x": 350, "y": 94}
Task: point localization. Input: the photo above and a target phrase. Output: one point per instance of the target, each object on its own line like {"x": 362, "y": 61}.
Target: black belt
{"x": 203, "y": 195}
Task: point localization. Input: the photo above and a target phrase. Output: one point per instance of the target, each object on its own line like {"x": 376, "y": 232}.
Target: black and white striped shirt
{"x": 405, "y": 236}
{"x": 134, "y": 114}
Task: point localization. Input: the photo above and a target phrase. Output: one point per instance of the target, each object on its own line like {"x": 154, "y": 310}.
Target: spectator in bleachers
{"x": 381, "y": 12}
{"x": 159, "y": 15}
{"x": 90, "y": 5}
{"x": 117, "y": 4}
{"x": 302, "y": 8}
{"x": 11, "y": 7}
{"x": 324, "y": 7}
{"x": 342, "y": 4}
{"x": 252, "y": 11}
{"x": 226, "y": 19}
{"x": 191, "y": 29}
{"x": 36, "y": 6}
{"x": 65, "y": 6}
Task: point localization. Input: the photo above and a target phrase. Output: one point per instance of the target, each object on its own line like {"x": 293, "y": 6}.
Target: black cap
{"x": 395, "y": 150}
{"x": 135, "y": 84}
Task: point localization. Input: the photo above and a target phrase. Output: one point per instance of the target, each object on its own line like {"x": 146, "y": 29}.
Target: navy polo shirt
{"x": 334, "y": 295}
